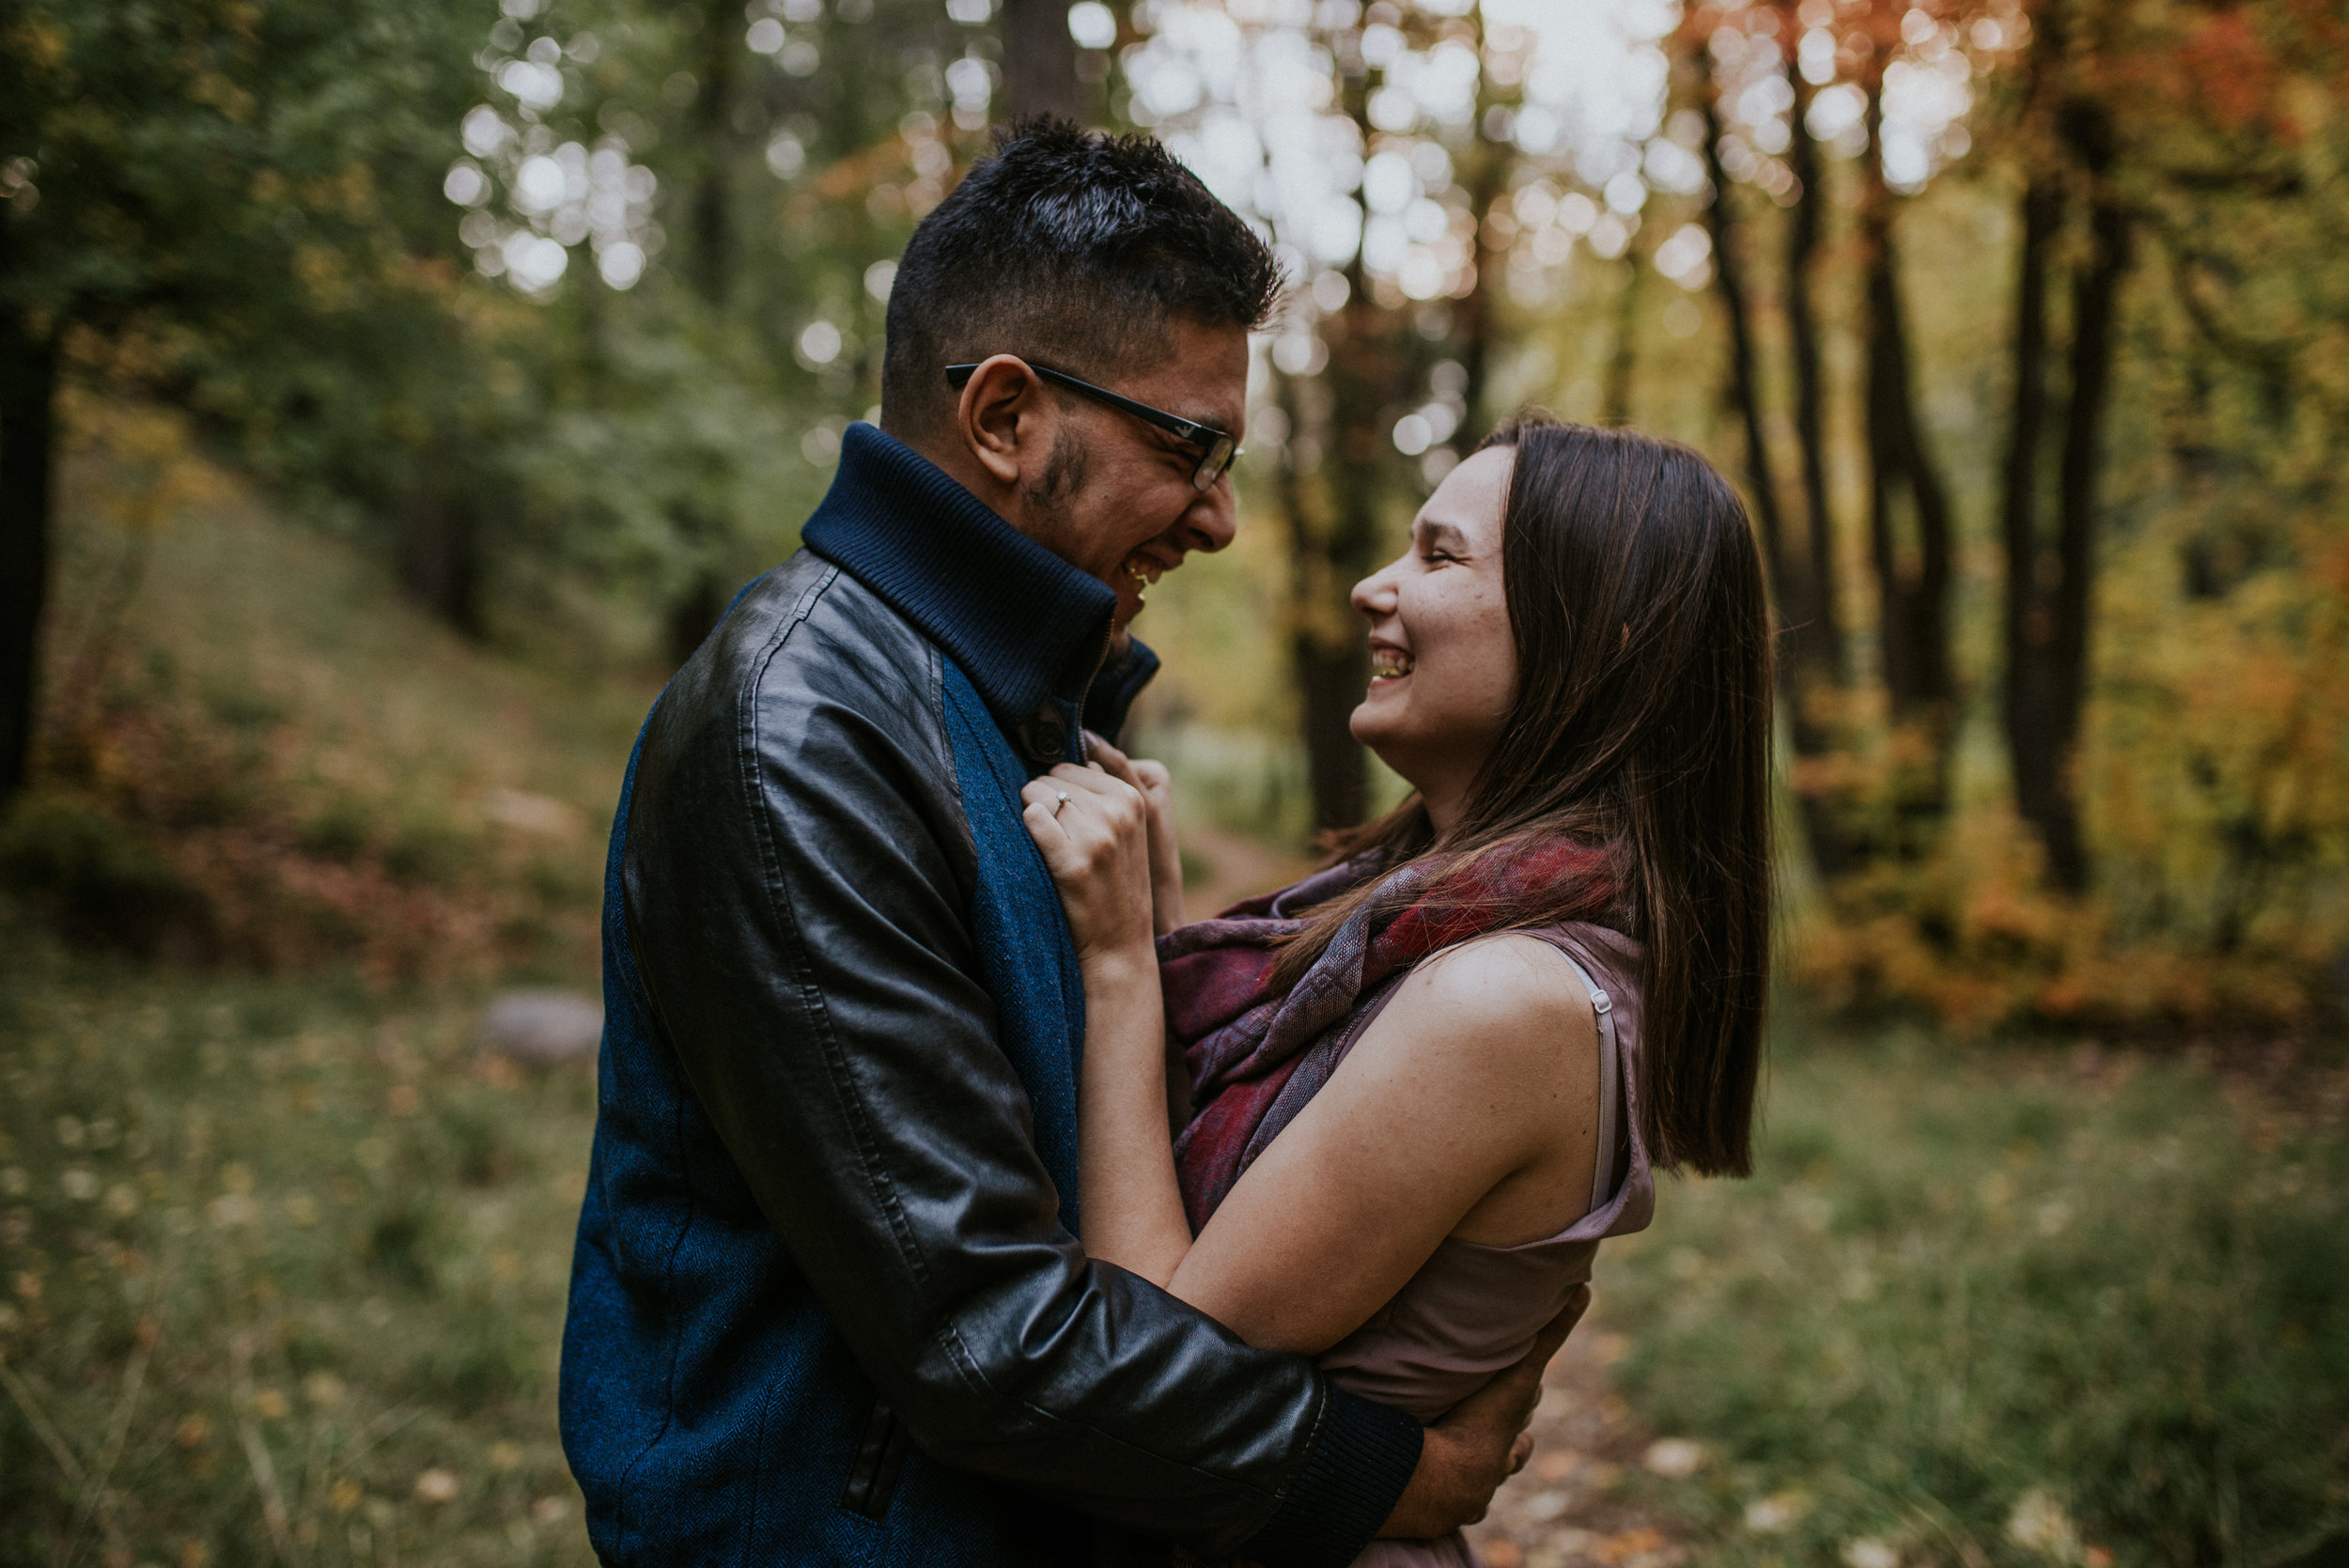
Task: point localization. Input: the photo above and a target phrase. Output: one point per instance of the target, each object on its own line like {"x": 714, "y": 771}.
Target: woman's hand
{"x": 1158, "y": 793}
{"x": 1094, "y": 832}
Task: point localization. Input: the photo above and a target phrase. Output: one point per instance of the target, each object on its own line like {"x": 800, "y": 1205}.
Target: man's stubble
{"x": 1049, "y": 499}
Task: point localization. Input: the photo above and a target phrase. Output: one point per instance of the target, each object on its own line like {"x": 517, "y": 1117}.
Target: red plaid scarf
{"x": 1256, "y": 1056}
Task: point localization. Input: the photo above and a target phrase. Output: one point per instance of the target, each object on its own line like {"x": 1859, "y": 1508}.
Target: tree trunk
{"x": 694, "y": 612}
{"x": 1331, "y": 679}
{"x": 1473, "y": 315}
{"x": 1912, "y": 564}
{"x": 1614, "y": 398}
{"x": 1745, "y": 375}
{"x": 1335, "y": 543}
{"x": 694, "y": 616}
{"x": 1040, "y": 62}
{"x": 1332, "y": 658}
{"x": 711, "y": 215}
{"x": 1812, "y": 667}
{"x": 28, "y": 392}
{"x": 710, "y": 269}
{"x": 1815, "y": 603}
{"x": 2031, "y": 739}
{"x": 439, "y": 559}
{"x": 1320, "y": 661}
{"x": 2095, "y": 309}
{"x": 2049, "y": 602}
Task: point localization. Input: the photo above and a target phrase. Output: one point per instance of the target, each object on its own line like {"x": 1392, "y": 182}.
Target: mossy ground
{"x": 2017, "y": 1304}
{"x": 285, "y": 1264}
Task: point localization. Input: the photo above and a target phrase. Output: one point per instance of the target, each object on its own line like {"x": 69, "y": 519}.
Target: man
{"x": 828, "y": 1304}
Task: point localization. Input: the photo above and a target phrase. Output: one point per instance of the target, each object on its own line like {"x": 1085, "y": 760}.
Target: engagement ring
{"x": 1060, "y": 799}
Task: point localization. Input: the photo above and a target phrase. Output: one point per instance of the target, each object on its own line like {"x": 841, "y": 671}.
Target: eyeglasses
{"x": 1217, "y": 446}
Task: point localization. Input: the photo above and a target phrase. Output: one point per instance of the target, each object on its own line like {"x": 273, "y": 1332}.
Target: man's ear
{"x": 1001, "y": 413}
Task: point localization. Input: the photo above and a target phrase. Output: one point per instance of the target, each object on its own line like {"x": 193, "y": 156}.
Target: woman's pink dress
{"x": 1473, "y": 1310}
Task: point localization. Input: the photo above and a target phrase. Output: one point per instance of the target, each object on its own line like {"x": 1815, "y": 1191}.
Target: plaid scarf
{"x": 1255, "y": 1055}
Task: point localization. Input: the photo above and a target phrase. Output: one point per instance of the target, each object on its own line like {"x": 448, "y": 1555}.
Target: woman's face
{"x": 1443, "y": 667}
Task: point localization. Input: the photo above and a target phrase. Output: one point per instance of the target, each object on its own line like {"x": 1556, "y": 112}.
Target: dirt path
{"x": 1236, "y": 866}
{"x": 1566, "y": 1508}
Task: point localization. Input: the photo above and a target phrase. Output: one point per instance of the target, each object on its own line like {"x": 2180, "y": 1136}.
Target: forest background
{"x": 392, "y": 393}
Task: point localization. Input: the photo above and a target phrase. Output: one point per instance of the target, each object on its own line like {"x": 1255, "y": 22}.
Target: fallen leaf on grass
{"x": 530, "y": 813}
{"x": 1674, "y": 1456}
{"x": 2040, "y": 1523}
{"x": 1775, "y": 1513}
{"x": 1631, "y": 1543}
{"x": 1868, "y": 1552}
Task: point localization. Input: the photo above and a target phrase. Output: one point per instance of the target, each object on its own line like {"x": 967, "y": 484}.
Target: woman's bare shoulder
{"x": 1500, "y": 999}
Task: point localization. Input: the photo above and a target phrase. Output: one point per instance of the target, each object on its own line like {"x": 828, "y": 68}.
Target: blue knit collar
{"x": 1024, "y": 624}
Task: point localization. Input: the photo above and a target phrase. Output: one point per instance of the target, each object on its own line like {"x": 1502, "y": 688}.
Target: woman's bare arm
{"x": 1469, "y": 1106}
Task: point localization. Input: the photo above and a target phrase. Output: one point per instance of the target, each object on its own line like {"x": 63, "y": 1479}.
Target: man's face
{"x": 1117, "y": 501}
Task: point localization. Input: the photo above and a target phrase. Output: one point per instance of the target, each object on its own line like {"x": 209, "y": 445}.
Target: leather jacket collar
{"x": 1025, "y": 625}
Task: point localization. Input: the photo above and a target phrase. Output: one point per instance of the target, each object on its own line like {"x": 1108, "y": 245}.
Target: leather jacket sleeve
{"x": 796, "y": 878}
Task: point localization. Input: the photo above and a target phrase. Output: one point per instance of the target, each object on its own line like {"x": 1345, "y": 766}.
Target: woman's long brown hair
{"x": 1641, "y": 725}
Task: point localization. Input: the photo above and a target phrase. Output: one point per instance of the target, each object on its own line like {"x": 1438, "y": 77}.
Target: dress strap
{"x": 1609, "y": 1061}
{"x": 1610, "y": 1081}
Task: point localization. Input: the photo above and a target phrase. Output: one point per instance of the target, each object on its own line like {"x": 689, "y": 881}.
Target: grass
{"x": 282, "y": 1267}
{"x": 2007, "y": 1304}
{"x": 284, "y": 1264}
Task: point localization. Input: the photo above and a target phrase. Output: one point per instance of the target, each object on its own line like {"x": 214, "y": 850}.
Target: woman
{"x": 1431, "y": 1078}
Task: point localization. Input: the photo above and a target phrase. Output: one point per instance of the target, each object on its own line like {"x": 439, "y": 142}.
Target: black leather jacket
{"x": 797, "y": 868}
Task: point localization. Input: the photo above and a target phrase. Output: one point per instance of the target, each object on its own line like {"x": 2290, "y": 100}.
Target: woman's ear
{"x": 1000, "y": 411}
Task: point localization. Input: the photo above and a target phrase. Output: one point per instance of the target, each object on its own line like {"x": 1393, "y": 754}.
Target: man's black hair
{"x": 1072, "y": 248}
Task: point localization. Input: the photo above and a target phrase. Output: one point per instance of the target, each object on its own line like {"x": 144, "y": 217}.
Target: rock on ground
{"x": 543, "y": 1028}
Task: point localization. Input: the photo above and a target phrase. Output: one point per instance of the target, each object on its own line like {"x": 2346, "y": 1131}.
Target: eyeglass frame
{"x": 1221, "y": 450}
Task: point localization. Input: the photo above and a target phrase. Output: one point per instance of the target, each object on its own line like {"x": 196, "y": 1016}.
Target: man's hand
{"x": 1480, "y": 1443}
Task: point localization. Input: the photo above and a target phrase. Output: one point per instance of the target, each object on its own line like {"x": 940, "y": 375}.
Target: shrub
{"x": 100, "y": 879}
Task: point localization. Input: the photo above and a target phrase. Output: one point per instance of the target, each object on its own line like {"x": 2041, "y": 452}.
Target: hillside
{"x": 257, "y": 753}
